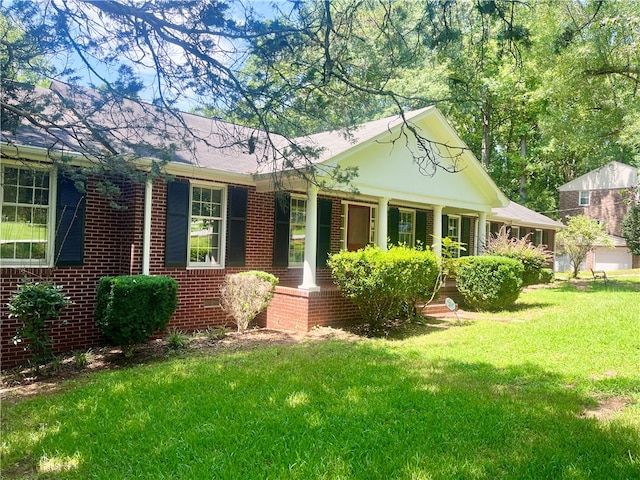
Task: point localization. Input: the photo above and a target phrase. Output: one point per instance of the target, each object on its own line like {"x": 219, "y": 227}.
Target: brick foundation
{"x": 295, "y": 309}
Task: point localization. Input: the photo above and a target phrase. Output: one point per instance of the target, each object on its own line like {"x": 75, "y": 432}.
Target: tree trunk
{"x": 523, "y": 176}
{"x": 486, "y": 134}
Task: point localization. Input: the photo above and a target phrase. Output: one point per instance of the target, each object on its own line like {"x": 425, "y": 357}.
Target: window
{"x": 537, "y": 237}
{"x": 453, "y": 230}
{"x": 584, "y": 198}
{"x": 297, "y": 229}
{"x": 206, "y": 226}
{"x": 26, "y": 216}
{"x": 514, "y": 232}
{"x": 406, "y": 227}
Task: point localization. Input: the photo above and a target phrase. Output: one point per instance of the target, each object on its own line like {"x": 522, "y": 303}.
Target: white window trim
{"x": 48, "y": 261}
{"x": 223, "y": 227}
{"x": 413, "y": 225}
{"x": 459, "y": 218}
{"x": 588, "y": 201}
{"x": 292, "y": 197}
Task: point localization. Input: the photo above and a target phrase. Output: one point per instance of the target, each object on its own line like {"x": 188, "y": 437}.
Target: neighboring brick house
{"x": 222, "y": 214}
{"x": 601, "y": 194}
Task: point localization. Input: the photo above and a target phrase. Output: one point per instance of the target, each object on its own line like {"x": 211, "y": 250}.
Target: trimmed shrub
{"x": 489, "y": 282}
{"x": 244, "y": 295}
{"x": 384, "y": 284}
{"x": 36, "y": 305}
{"x": 546, "y": 276}
{"x": 533, "y": 257}
{"x": 130, "y": 308}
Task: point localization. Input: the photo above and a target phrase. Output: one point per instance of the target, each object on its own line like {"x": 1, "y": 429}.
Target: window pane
{"x": 8, "y": 214}
{"x": 10, "y": 176}
{"x": 25, "y": 195}
{"x": 10, "y": 193}
{"x": 41, "y": 179}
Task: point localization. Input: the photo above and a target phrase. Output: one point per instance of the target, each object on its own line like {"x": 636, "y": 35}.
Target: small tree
{"x": 244, "y": 295}
{"x": 36, "y": 305}
{"x": 579, "y": 238}
{"x": 631, "y": 228}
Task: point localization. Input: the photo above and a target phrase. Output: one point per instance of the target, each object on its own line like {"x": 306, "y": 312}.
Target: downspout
{"x": 146, "y": 233}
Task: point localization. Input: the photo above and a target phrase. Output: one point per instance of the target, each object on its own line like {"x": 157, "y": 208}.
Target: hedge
{"x": 489, "y": 282}
{"x": 130, "y": 308}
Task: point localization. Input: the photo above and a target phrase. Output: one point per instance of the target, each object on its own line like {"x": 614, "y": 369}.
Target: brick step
{"x": 436, "y": 309}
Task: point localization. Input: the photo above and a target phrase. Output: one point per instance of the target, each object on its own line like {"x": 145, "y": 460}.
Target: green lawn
{"x": 504, "y": 396}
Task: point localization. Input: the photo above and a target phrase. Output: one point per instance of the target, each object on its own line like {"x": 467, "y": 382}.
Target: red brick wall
{"x": 605, "y": 205}
{"x": 293, "y": 309}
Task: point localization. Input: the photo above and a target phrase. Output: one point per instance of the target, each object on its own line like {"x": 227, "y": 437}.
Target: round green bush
{"x": 130, "y": 308}
{"x": 385, "y": 284}
{"x": 546, "y": 276}
{"x": 490, "y": 282}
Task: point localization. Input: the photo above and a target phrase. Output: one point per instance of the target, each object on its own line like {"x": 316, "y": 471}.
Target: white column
{"x": 437, "y": 230}
{"x": 310, "y": 240}
{"x": 146, "y": 232}
{"x": 482, "y": 232}
{"x": 382, "y": 226}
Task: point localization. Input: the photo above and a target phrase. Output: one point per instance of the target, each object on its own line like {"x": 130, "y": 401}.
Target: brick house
{"x": 600, "y": 194}
{"x": 222, "y": 213}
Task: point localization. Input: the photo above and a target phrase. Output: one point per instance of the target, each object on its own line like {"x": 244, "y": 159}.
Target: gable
{"x": 613, "y": 175}
{"x": 387, "y": 168}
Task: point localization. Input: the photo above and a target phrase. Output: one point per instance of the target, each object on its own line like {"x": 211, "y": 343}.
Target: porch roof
{"x": 519, "y": 215}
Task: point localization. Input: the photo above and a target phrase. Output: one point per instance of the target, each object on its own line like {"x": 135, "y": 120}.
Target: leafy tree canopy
{"x": 631, "y": 227}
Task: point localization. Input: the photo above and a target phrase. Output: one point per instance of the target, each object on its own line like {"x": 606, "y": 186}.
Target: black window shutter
{"x": 237, "y": 226}
{"x": 421, "y": 228}
{"x": 177, "y": 232}
{"x": 445, "y": 226}
{"x": 324, "y": 231}
{"x": 281, "y": 230}
{"x": 70, "y": 214}
{"x": 466, "y": 236}
{"x": 393, "y": 225}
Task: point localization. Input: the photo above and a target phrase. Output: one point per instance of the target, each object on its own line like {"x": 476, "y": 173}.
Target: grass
{"x": 500, "y": 397}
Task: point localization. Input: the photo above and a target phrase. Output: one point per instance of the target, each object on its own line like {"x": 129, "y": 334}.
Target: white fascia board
{"x": 519, "y": 223}
{"x": 419, "y": 200}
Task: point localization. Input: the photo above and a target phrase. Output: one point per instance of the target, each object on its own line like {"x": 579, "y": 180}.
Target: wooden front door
{"x": 358, "y": 227}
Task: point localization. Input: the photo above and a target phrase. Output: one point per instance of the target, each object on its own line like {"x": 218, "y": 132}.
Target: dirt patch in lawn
{"x": 22, "y": 383}
{"x": 606, "y": 408}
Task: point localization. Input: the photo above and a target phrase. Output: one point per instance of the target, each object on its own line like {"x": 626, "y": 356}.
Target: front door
{"x": 358, "y": 227}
